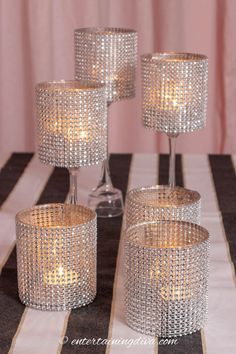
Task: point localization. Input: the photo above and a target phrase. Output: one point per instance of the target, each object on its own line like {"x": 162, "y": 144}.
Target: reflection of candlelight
{"x": 172, "y": 96}
{"x": 77, "y": 135}
{"x": 71, "y": 134}
{"x": 83, "y": 135}
{"x": 115, "y": 78}
{"x": 61, "y": 276}
{"x": 95, "y": 70}
{"x": 176, "y": 293}
{"x": 154, "y": 273}
{"x": 112, "y": 78}
{"x": 161, "y": 203}
{"x": 100, "y": 72}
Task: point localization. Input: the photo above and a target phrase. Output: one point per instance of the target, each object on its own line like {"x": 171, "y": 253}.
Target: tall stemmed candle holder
{"x": 107, "y": 55}
{"x": 72, "y": 126}
{"x": 174, "y": 95}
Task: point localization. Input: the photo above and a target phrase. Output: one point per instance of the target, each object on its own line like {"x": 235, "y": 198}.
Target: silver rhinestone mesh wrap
{"x": 174, "y": 91}
{"x": 166, "y": 278}
{"x": 72, "y": 123}
{"x": 56, "y": 256}
{"x": 162, "y": 203}
{"x": 109, "y": 56}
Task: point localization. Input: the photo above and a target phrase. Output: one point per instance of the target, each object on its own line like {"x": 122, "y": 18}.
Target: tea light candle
{"x": 171, "y": 98}
{"x": 58, "y": 273}
{"x": 166, "y": 275}
{"x": 176, "y": 293}
{"x": 71, "y": 133}
{"x": 180, "y": 289}
{"x": 56, "y": 256}
{"x": 61, "y": 276}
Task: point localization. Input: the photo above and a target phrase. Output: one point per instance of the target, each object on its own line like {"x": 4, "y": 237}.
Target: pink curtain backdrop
{"x": 37, "y": 44}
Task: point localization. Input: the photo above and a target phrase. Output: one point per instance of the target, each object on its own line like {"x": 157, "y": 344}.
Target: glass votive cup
{"x": 166, "y": 278}
{"x": 159, "y": 202}
{"x": 56, "y": 256}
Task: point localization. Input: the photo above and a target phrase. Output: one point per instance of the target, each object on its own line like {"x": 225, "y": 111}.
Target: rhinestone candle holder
{"x": 72, "y": 125}
{"x": 56, "y": 256}
{"x": 107, "y": 55}
{"x": 156, "y": 203}
{"x": 166, "y": 279}
{"x": 174, "y": 95}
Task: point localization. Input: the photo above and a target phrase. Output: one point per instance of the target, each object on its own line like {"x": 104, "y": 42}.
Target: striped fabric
{"x": 100, "y": 327}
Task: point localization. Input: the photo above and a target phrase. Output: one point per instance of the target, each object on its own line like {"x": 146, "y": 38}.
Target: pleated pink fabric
{"x": 37, "y": 44}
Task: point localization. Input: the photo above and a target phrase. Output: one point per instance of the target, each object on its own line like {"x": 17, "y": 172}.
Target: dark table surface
{"x": 24, "y": 181}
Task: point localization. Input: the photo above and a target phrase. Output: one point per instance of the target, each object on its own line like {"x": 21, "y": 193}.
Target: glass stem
{"x": 73, "y": 196}
{"x": 172, "y": 145}
{"x": 105, "y": 177}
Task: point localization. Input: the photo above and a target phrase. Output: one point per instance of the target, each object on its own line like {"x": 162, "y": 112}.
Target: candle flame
{"x": 61, "y": 276}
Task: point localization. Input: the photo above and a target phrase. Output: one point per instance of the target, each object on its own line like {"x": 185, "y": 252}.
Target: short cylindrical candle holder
{"x": 166, "y": 278}
{"x": 56, "y": 256}
{"x": 156, "y": 203}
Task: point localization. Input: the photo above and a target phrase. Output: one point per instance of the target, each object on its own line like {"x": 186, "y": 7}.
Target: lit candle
{"x": 61, "y": 276}
{"x": 100, "y": 73}
{"x": 174, "y": 292}
{"x": 58, "y": 275}
{"x": 170, "y": 96}
{"x": 70, "y": 134}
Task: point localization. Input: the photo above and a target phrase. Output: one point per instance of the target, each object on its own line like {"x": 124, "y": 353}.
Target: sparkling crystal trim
{"x": 166, "y": 278}
{"x": 109, "y": 56}
{"x": 174, "y": 91}
{"x": 162, "y": 203}
{"x": 72, "y": 123}
{"x": 56, "y": 256}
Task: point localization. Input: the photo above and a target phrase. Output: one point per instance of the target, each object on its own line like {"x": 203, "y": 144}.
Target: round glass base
{"x": 107, "y": 202}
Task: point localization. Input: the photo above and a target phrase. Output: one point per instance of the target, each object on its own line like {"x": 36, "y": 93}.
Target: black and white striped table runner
{"x": 24, "y": 182}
